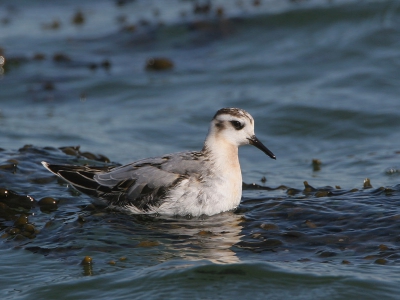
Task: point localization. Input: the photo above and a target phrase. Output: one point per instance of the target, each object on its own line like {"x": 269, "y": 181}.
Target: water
{"x": 319, "y": 77}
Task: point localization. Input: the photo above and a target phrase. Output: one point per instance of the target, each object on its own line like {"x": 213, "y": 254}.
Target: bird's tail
{"x": 80, "y": 177}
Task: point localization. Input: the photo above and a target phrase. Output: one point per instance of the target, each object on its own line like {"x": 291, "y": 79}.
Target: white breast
{"x": 217, "y": 191}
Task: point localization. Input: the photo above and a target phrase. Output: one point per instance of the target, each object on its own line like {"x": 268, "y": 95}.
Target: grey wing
{"x": 191, "y": 163}
{"x": 144, "y": 184}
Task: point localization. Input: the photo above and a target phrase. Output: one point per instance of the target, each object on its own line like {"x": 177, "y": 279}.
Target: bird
{"x": 191, "y": 183}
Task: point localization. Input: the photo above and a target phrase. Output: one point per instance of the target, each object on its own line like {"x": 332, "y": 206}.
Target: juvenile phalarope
{"x": 184, "y": 183}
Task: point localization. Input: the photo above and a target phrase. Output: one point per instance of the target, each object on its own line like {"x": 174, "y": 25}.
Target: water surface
{"x": 321, "y": 81}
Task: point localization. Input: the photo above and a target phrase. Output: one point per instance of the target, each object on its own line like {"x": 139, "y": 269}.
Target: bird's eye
{"x": 237, "y": 125}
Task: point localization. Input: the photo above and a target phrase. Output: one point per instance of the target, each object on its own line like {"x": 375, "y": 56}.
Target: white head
{"x": 236, "y": 126}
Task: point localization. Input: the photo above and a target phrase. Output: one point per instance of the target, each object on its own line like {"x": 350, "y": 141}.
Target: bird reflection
{"x": 209, "y": 238}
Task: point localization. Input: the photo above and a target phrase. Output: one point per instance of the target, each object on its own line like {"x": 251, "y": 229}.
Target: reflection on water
{"x": 209, "y": 238}
{"x": 162, "y": 239}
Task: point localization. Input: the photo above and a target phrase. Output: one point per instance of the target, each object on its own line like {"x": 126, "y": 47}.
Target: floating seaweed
{"x": 159, "y": 64}
{"x": 78, "y": 18}
{"x": 316, "y": 164}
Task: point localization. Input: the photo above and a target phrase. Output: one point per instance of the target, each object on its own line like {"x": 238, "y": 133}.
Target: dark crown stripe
{"x": 235, "y": 112}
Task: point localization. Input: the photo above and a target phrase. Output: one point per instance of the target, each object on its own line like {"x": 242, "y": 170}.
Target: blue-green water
{"x": 321, "y": 79}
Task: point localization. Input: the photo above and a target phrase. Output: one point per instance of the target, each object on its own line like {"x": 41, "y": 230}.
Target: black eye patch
{"x": 237, "y": 125}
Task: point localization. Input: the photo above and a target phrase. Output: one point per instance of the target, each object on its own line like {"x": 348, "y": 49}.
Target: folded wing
{"x": 143, "y": 184}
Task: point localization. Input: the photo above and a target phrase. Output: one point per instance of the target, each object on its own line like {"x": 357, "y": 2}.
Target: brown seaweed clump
{"x": 159, "y": 64}
{"x": 61, "y": 57}
{"x": 87, "y": 260}
{"x": 316, "y": 164}
{"x": 367, "y": 183}
{"x": 55, "y": 24}
{"x": 75, "y": 151}
{"x": 21, "y": 229}
{"x": 78, "y": 18}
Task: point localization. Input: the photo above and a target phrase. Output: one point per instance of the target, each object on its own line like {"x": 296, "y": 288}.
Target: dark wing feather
{"x": 80, "y": 177}
{"x": 144, "y": 186}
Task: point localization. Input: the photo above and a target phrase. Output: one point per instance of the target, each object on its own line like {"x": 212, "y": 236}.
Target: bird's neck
{"x": 223, "y": 153}
{"x": 227, "y": 174}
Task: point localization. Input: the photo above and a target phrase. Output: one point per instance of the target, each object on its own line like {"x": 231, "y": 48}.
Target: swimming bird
{"x": 185, "y": 183}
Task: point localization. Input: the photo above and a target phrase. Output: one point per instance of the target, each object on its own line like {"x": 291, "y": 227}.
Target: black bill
{"x": 255, "y": 142}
